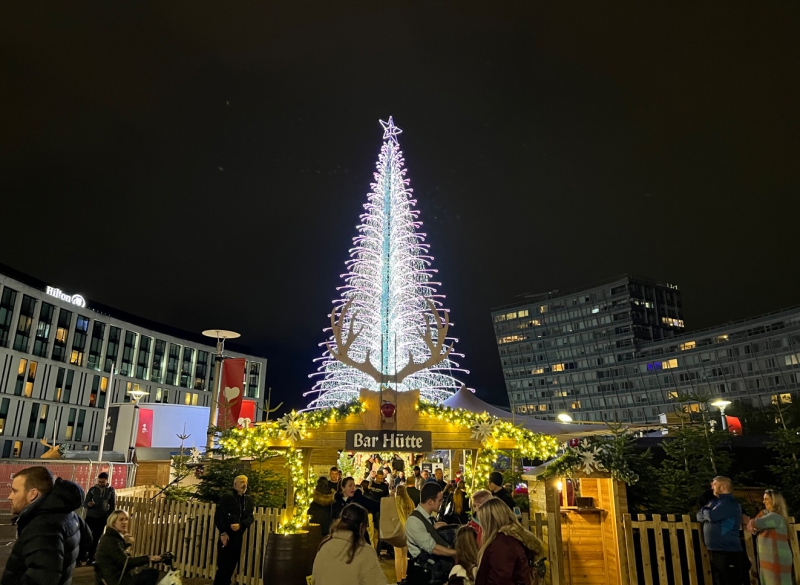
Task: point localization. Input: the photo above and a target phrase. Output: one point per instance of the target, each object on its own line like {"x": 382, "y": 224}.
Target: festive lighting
{"x": 388, "y": 279}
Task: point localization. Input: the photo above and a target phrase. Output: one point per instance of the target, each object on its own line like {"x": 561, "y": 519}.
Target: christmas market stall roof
{"x": 466, "y": 400}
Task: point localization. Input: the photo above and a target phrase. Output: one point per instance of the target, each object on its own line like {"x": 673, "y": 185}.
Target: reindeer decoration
{"x": 53, "y": 452}
{"x": 406, "y": 401}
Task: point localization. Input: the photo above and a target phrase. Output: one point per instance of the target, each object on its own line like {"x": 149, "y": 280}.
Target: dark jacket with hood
{"x": 104, "y": 501}
{"x": 50, "y": 538}
{"x": 508, "y": 558}
{"x": 320, "y": 510}
{"x": 502, "y": 494}
{"x": 234, "y": 509}
{"x": 111, "y": 557}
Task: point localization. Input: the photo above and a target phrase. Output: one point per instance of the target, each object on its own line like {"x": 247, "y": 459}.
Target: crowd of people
{"x": 447, "y": 536}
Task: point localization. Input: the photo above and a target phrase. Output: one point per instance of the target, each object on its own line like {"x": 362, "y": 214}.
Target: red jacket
{"x": 504, "y": 563}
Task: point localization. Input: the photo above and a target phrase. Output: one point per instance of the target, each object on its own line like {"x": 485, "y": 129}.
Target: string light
{"x": 388, "y": 279}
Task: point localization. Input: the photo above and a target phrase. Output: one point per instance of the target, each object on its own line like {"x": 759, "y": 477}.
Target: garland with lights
{"x": 597, "y": 453}
{"x": 487, "y": 429}
{"x": 256, "y": 442}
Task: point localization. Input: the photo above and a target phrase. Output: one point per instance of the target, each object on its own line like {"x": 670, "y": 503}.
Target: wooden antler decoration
{"x": 53, "y": 452}
{"x": 435, "y": 347}
{"x": 442, "y": 325}
{"x": 343, "y": 345}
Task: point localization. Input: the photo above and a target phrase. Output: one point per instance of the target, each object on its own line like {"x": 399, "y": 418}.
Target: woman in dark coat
{"x": 508, "y": 551}
{"x": 112, "y": 562}
{"x": 320, "y": 508}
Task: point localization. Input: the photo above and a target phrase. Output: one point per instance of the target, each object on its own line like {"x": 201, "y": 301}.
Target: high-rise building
{"x": 619, "y": 351}
{"x": 56, "y": 354}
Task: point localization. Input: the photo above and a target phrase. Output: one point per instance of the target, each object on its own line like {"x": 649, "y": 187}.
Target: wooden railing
{"x": 140, "y": 491}
{"x": 536, "y": 523}
{"x": 186, "y": 529}
{"x": 669, "y": 550}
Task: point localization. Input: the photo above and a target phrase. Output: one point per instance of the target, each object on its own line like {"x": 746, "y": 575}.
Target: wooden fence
{"x": 670, "y": 550}
{"x": 186, "y": 529}
{"x": 535, "y": 523}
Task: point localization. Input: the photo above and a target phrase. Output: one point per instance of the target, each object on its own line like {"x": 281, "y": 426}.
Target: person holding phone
{"x": 233, "y": 517}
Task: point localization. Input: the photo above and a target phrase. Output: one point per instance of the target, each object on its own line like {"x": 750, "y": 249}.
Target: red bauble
{"x": 387, "y": 410}
{"x": 574, "y": 443}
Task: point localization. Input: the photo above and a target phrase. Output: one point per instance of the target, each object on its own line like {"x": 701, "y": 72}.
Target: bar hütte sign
{"x": 415, "y": 441}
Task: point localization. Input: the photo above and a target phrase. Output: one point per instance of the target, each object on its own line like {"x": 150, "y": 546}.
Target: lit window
{"x": 188, "y": 398}
{"x": 576, "y": 405}
{"x": 672, "y": 395}
{"x": 542, "y": 407}
{"x": 61, "y": 335}
{"x": 784, "y": 398}
{"x": 543, "y": 309}
{"x": 688, "y": 345}
{"x": 669, "y": 364}
{"x": 194, "y": 399}
{"x": 523, "y": 313}
{"x": 792, "y": 359}
{"x": 558, "y": 367}
{"x": 537, "y": 371}
{"x": 721, "y": 339}
{"x": 511, "y": 338}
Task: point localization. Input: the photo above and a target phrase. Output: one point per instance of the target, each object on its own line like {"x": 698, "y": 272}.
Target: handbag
{"x": 391, "y": 529}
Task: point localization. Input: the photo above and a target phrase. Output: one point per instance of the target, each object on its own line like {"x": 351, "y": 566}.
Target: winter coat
{"x": 109, "y": 560}
{"x": 502, "y": 494}
{"x": 104, "y": 501}
{"x": 339, "y": 503}
{"x": 234, "y": 509}
{"x": 320, "y": 510}
{"x": 507, "y": 560}
{"x": 721, "y": 520}
{"x": 51, "y": 537}
{"x": 331, "y": 566}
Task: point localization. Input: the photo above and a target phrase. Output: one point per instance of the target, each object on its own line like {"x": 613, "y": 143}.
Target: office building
{"x": 57, "y": 351}
{"x": 619, "y": 351}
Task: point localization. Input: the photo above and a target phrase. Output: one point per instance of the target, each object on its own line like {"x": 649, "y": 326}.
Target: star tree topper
{"x": 390, "y": 131}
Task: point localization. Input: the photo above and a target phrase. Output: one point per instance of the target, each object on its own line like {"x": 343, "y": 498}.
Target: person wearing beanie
{"x": 498, "y": 491}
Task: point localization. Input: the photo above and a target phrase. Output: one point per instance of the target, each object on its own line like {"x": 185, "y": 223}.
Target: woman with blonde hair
{"x": 774, "y": 553}
{"x": 405, "y": 505}
{"x": 113, "y": 564}
{"x": 508, "y": 551}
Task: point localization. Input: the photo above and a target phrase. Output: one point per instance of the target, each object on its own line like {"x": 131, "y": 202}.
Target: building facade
{"x": 618, "y": 351}
{"x": 57, "y": 352}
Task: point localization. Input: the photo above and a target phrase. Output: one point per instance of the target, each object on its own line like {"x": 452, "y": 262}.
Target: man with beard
{"x": 50, "y": 535}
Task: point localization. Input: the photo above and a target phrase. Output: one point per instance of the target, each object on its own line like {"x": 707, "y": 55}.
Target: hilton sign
{"x": 410, "y": 441}
{"x": 76, "y": 300}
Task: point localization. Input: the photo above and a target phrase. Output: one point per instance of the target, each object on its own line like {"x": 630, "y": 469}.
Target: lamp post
{"x": 220, "y": 335}
{"x": 722, "y": 404}
{"x": 136, "y": 395}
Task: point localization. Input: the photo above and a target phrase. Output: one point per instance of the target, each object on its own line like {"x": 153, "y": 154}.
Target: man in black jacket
{"x": 50, "y": 535}
{"x": 498, "y": 491}
{"x": 233, "y": 517}
{"x": 100, "y": 502}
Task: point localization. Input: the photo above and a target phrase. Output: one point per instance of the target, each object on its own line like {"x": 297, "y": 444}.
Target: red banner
{"x": 144, "y": 430}
{"x": 247, "y": 415}
{"x": 230, "y": 392}
{"x": 734, "y": 425}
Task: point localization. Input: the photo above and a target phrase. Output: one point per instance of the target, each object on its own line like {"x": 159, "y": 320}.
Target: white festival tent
{"x": 468, "y": 401}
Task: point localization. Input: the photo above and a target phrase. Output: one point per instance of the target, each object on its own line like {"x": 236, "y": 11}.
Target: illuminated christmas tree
{"x": 388, "y": 327}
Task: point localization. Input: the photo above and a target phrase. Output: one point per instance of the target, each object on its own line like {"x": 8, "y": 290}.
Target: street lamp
{"x": 136, "y": 395}
{"x": 722, "y": 404}
{"x": 220, "y": 335}
{"x": 564, "y": 417}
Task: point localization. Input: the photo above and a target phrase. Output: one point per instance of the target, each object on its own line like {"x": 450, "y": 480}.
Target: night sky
{"x": 204, "y": 165}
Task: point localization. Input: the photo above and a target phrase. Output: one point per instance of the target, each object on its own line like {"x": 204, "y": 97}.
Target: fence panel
{"x": 671, "y": 551}
{"x": 186, "y": 529}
